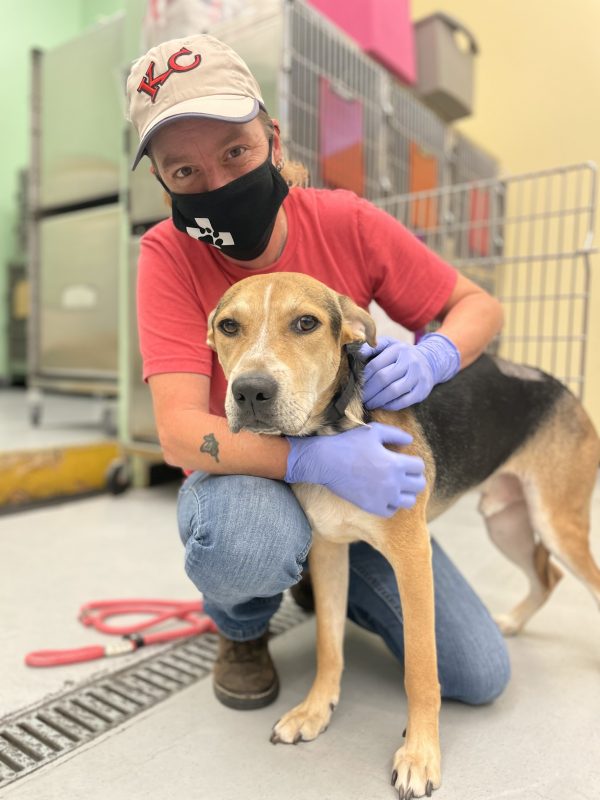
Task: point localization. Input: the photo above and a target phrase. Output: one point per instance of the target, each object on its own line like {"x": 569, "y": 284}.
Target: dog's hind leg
{"x": 559, "y": 488}
{"x": 329, "y": 569}
{"x": 510, "y": 528}
{"x": 562, "y": 521}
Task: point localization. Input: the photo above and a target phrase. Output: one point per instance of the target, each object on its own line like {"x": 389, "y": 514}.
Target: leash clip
{"x": 119, "y": 648}
{"x": 95, "y": 614}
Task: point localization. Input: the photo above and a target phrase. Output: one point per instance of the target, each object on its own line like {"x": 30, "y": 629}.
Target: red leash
{"x": 95, "y": 614}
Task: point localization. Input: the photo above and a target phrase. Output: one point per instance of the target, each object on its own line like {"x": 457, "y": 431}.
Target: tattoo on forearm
{"x": 210, "y": 446}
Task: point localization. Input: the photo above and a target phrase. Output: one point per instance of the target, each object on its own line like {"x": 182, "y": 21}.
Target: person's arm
{"x": 470, "y": 319}
{"x": 414, "y": 289}
{"x": 355, "y": 465}
{"x": 400, "y": 374}
{"x": 414, "y": 285}
{"x": 194, "y": 439}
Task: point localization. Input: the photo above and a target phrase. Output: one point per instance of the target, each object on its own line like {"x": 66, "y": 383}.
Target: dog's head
{"x": 279, "y": 339}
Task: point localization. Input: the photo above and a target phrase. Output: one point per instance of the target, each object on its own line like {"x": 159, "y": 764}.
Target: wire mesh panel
{"x": 415, "y": 144}
{"x": 353, "y": 125}
{"x": 333, "y": 99}
{"x": 470, "y": 162}
{"x": 527, "y": 239}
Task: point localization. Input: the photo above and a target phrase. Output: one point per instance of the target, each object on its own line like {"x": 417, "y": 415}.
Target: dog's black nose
{"x": 254, "y": 389}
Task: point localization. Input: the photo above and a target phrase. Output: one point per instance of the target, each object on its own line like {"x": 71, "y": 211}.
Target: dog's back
{"x": 474, "y": 423}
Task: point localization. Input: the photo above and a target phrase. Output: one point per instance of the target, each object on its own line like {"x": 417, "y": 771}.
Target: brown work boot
{"x": 244, "y": 675}
{"x": 302, "y": 592}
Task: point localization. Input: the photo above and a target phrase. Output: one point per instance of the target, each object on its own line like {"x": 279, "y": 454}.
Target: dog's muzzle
{"x": 254, "y": 394}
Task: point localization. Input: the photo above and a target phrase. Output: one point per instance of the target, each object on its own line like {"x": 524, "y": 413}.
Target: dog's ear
{"x": 357, "y": 325}
{"x": 210, "y": 339}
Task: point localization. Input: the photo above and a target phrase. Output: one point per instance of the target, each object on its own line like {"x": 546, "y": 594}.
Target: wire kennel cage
{"x": 528, "y": 240}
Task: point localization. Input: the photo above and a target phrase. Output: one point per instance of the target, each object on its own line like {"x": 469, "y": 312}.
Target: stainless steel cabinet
{"x": 81, "y": 117}
{"x": 78, "y": 308}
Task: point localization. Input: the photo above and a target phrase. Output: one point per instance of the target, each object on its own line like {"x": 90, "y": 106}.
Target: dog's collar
{"x": 337, "y": 408}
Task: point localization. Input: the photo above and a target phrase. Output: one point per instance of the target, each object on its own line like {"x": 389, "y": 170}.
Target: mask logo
{"x": 205, "y": 233}
{"x": 150, "y": 84}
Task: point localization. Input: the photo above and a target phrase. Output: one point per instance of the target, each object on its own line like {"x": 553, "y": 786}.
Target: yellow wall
{"x": 537, "y": 100}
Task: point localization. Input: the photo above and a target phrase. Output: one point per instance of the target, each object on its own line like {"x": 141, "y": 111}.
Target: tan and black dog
{"x": 286, "y": 344}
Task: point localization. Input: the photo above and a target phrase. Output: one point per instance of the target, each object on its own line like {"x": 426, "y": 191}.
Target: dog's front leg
{"x": 417, "y": 764}
{"x": 329, "y": 572}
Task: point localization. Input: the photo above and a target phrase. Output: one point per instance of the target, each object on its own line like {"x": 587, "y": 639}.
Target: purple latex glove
{"x": 356, "y": 466}
{"x": 400, "y": 374}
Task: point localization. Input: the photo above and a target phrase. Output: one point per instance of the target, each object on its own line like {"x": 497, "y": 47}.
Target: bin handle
{"x": 455, "y": 25}
{"x": 342, "y": 90}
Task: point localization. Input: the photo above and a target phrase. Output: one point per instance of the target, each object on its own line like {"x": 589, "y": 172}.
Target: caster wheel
{"x": 34, "y": 402}
{"x": 35, "y": 416}
{"x": 109, "y": 423}
{"x": 118, "y": 477}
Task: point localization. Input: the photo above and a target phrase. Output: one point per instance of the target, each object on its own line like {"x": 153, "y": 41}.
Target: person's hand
{"x": 400, "y": 374}
{"x": 355, "y": 465}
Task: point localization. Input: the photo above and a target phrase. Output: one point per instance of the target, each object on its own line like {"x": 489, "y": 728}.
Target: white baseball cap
{"x": 197, "y": 76}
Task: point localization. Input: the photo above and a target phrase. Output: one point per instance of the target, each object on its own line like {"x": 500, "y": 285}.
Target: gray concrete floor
{"x": 541, "y": 739}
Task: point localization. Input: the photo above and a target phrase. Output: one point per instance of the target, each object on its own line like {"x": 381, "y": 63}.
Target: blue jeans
{"x": 246, "y": 541}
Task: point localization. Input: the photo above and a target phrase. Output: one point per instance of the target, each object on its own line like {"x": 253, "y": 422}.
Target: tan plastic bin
{"x": 446, "y": 52}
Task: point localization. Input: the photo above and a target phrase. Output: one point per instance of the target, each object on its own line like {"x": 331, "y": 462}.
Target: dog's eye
{"x": 229, "y": 327}
{"x": 306, "y": 323}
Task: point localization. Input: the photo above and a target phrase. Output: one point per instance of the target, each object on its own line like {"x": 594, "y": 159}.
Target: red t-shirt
{"x": 342, "y": 240}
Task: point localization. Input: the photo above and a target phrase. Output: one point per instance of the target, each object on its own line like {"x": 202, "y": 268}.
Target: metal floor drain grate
{"x": 30, "y": 740}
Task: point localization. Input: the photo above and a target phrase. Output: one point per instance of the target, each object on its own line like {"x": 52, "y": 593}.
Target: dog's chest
{"x": 332, "y": 517}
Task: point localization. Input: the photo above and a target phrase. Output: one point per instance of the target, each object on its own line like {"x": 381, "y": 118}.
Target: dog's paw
{"x": 509, "y": 626}
{"x": 416, "y": 772}
{"x": 302, "y": 724}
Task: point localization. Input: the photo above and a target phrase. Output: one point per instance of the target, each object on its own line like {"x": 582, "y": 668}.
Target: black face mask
{"x": 239, "y": 217}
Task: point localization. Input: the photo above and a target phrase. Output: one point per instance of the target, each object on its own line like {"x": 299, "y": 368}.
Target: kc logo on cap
{"x": 151, "y": 83}
{"x": 224, "y": 89}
